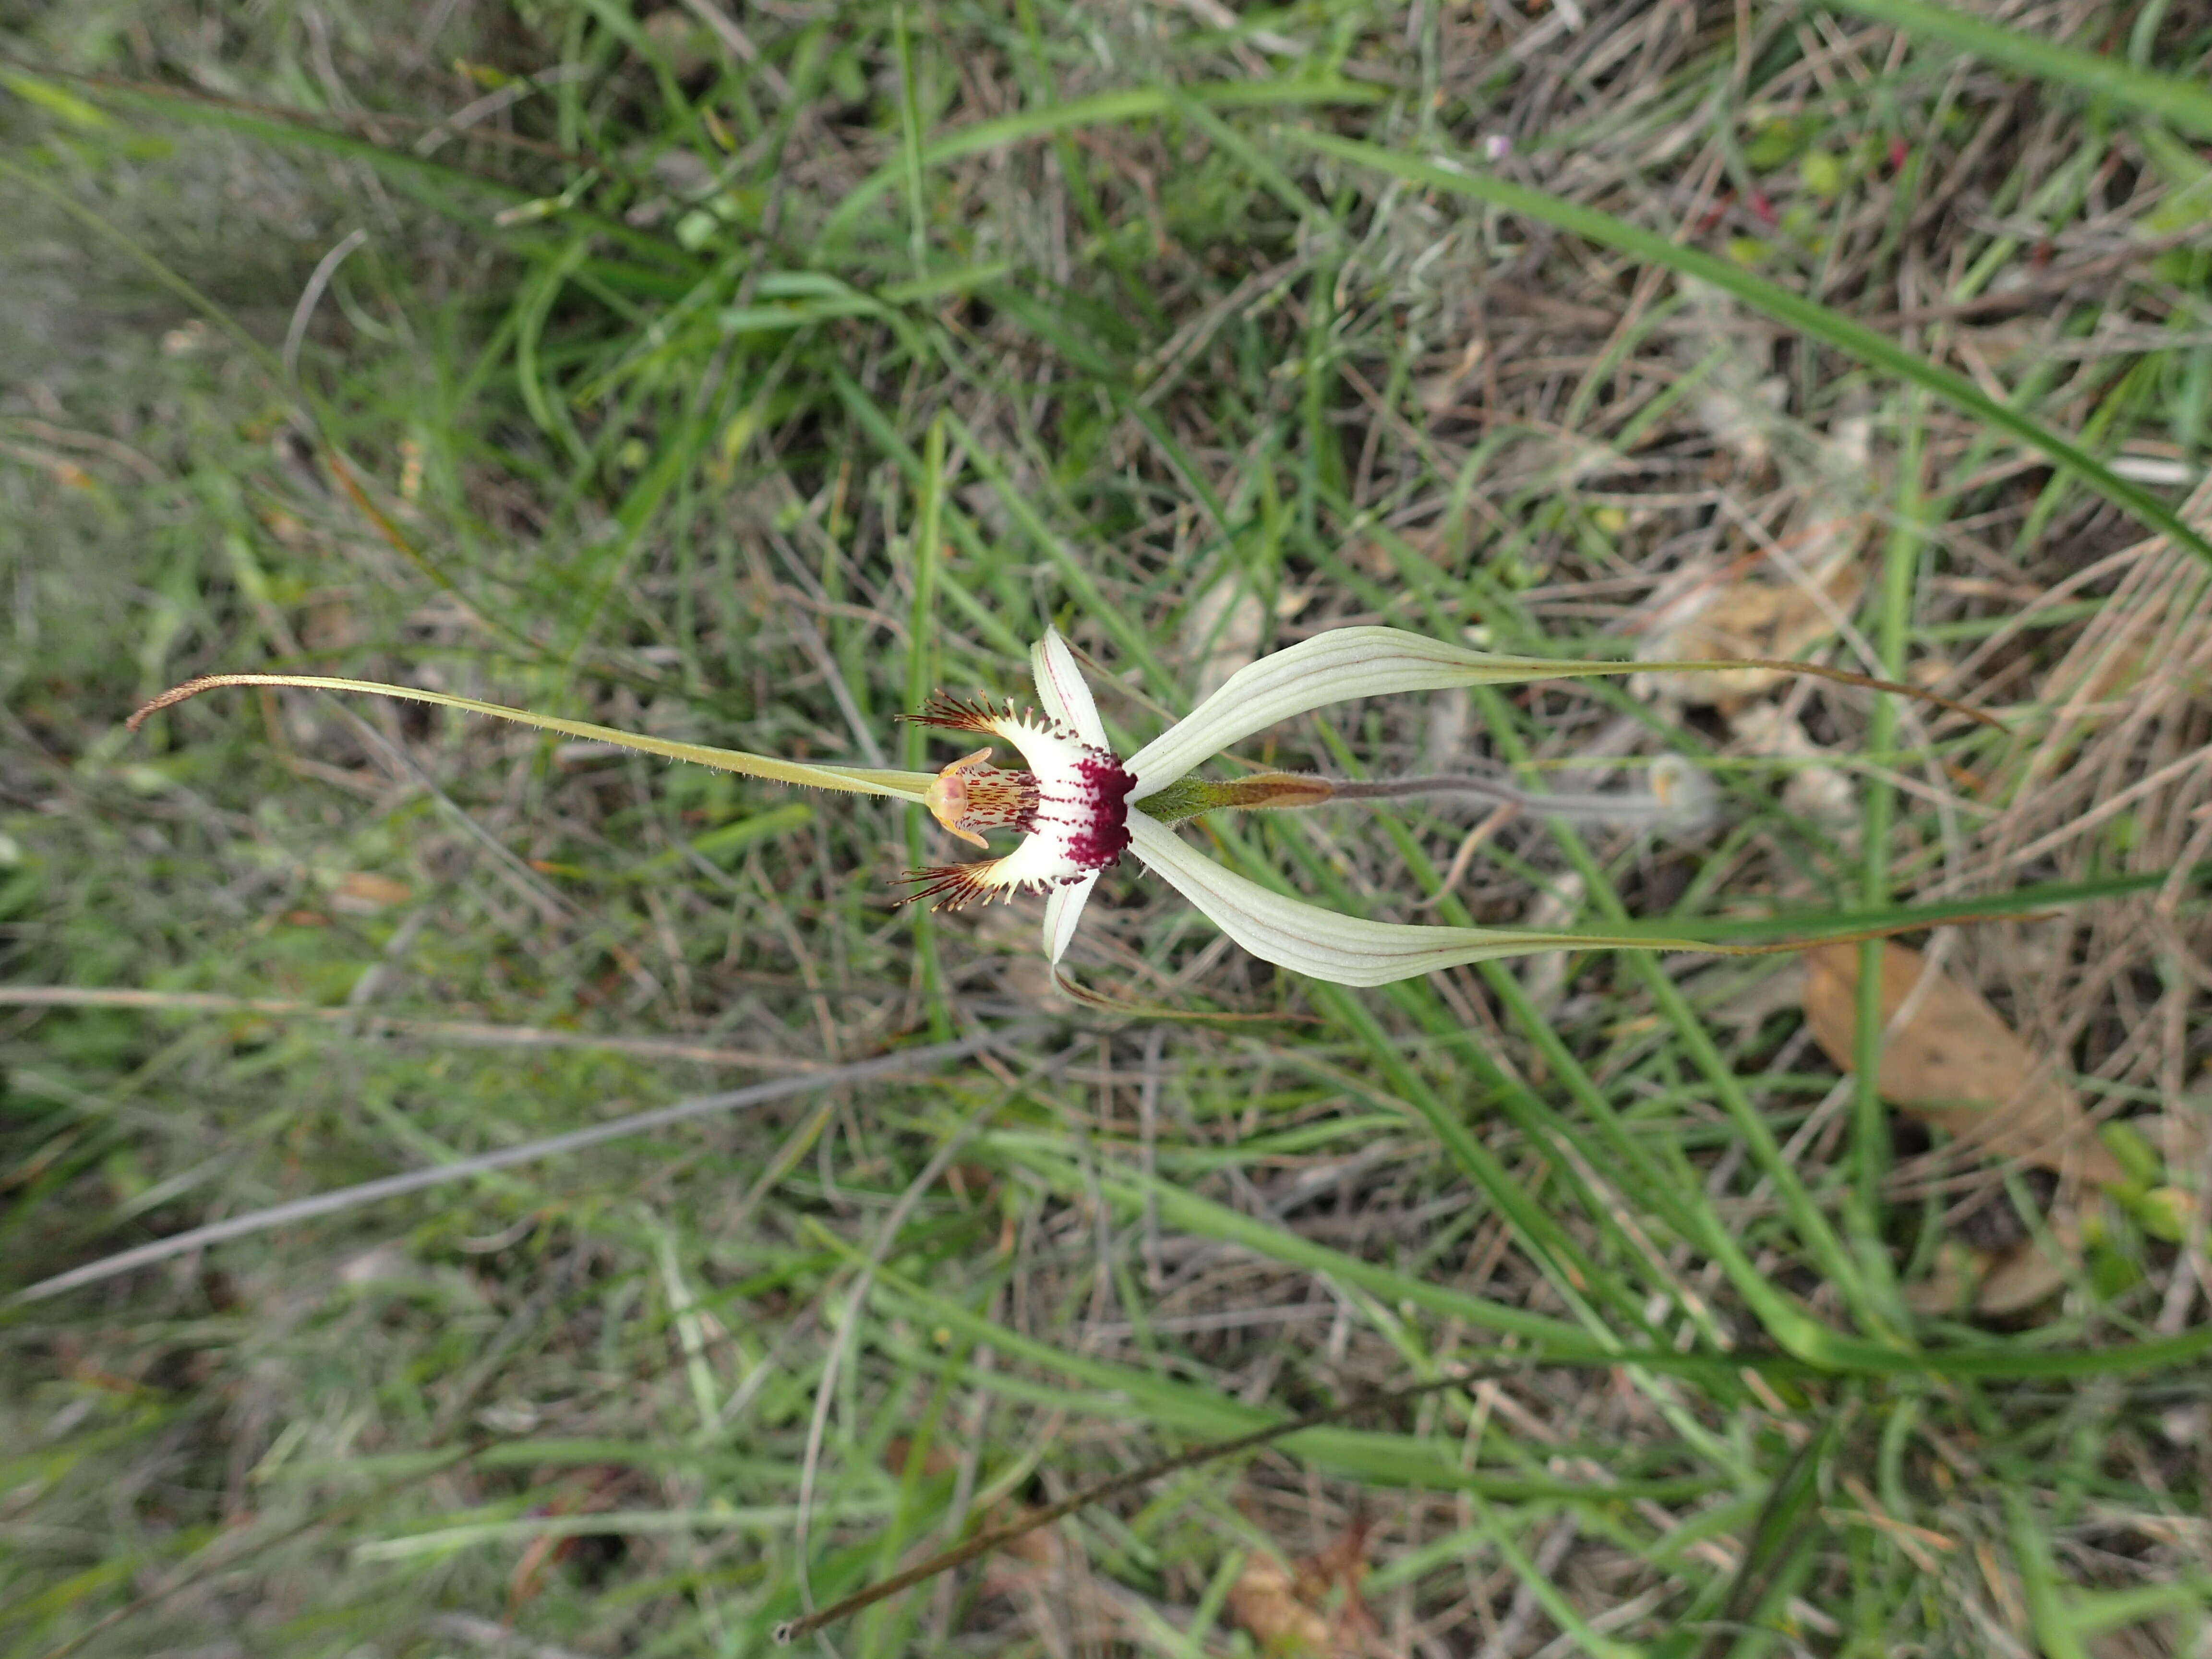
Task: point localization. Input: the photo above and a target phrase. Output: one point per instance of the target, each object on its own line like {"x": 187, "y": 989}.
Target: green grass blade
{"x": 1813, "y": 926}
{"x": 1100, "y": 109}
{"x": 1392, "y": 1459}
{"x": 1808, "y": 317}
{"x": 2168, "y": 97}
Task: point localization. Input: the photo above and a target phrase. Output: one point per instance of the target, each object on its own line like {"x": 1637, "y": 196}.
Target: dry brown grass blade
{"x": 1840, "y": 676}
{"x": 1955, "y": 1063}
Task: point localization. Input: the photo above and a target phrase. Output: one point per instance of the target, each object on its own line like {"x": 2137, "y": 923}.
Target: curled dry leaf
{"x": 1265, "y": 1601}
{"x": 1956, "y": 1064}
{"x": 1747, "y": 617}
{"x": 1439, "y": 394}
{"x": 2032, "y": 1271}
{"x": 1817, "y": 791}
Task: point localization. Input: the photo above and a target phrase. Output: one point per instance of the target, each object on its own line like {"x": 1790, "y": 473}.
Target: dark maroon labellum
{"x": 1099, "y": 833}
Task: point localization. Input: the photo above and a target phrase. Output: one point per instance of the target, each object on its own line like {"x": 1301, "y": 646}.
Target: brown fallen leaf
{"x": 1308, "y": 1607}
{"x": 1956, "y": 1064}
{"x": 1951, "y": 1283}
{"x": 1999, "y": 1284}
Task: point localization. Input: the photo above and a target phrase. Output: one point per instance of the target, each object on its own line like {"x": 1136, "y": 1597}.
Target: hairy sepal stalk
{"x": 1189, "y": 798}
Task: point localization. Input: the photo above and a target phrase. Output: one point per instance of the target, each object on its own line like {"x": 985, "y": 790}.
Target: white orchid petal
{"x": 1344, "y": 949}
{"x": 1334, "y": 666}
{"x": 1039, "y": 864}
{"x": 1046, "y": 749}
{"x": 1062, "y": 911}
{"x": 1063, "y": 691}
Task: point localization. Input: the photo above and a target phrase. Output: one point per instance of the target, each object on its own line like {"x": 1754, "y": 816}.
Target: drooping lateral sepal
{"x": 1344, "y": 949}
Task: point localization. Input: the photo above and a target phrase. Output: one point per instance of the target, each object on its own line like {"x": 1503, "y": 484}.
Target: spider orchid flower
{"x": 1080, "y": 808}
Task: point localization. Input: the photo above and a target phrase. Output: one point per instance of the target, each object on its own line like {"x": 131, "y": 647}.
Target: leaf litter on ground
{"x": 1949, "y": 1060}
{"x": 1955, "y": 1065}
